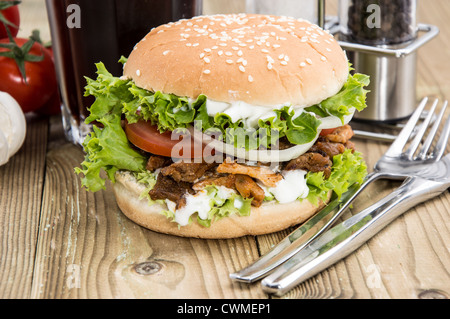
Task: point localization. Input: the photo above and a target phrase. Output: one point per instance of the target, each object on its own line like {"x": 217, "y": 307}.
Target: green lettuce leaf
{"x": 348, "y": 168}
{"x": 107, "y": 147}
{"x": 221, "y": 207}
{"x": 169, "y": 111}
{"x": 351, "y": 95}
{"x": 117, "y": 97}
{"x": 148, "y": 179}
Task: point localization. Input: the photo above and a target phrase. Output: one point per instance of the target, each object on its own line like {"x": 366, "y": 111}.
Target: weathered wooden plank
{"x": 88, "y": 249}
{"x": 21, "y": 181}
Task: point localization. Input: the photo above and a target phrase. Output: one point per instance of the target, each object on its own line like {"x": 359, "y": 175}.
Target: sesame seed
{"x": 228, "y": 53}
{"x": 138, "y": 72}
{"x": 328, "y": 49}
{"x": 269, "y": 66}
{"x": 250, "y": 78}
{"x": 239, "y": 53}
{"x": 229, "y": 61}
{"x": 202, "y": 55}
{"x": 244, "y": 62}
{"x": 188, "y": 44}
{"x": 265, "y": 50}
{"x": 195, "y": 44}
{"x": 286, "y": 58}
{"x": 207, "y": 71}
{"x": 309, "y": 61}
{"x": 281, "y": 56}
{"x": 283, "y": 62}
{"x": 276, "y": 46}
{"x": 207, "y": 50}
{"x": 220, "y": 52}
{"x": 206, "y": 59}
{"x": 241, "y": 68}
{"x": 302, "y": 64}
{"x": 323, "y": 58}
{"x": 235, "y": 48}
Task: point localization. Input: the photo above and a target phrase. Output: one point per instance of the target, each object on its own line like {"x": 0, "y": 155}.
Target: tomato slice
{"x": 327, "y": 131}
{"x": 147, "y": 137}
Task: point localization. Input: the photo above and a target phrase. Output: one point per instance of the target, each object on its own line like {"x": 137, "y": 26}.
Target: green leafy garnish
{"x": 351, "y": 95}
{"x": 348, "y": 168}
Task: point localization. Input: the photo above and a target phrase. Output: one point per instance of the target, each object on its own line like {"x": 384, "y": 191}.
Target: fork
{"x": 346, "y": 237}
{"x": 394, "y": 164}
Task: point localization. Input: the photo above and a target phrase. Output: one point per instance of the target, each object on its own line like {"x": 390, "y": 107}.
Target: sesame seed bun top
{"x": 258, "y": 59}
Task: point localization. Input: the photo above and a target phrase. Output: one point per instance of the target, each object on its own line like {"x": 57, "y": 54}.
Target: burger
{"x": 226, "y": 125}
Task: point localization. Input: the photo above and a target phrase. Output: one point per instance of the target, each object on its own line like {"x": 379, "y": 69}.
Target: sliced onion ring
{"x": 271, "y": 155}
{"x": 334, "y": 121}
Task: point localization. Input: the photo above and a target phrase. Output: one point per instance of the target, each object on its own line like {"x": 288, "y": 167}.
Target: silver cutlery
{"x": 394, "y": 164}
{"x": 346, "y": 237}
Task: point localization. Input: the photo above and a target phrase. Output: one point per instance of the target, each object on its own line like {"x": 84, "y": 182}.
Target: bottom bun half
{"x": 268, "y": 218}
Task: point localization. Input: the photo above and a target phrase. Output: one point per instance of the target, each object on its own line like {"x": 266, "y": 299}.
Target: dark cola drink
{"x": 85, "y": 32}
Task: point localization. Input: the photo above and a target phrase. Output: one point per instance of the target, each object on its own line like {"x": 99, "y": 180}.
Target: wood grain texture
{"x": 59, "y": 241}
{"x": 88, "y": 249}
{"x": 21, "y": 183}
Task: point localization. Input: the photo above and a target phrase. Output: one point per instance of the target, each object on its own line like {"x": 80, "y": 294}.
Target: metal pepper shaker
{"x": 378, "y": 22}
{"x": 381, "y": 38}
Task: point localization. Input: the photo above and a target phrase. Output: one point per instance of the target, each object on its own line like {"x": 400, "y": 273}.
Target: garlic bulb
{"x": 12, "y": 127}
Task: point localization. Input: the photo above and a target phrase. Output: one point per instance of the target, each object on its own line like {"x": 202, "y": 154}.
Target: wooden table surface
{"x": 59, "y": 241}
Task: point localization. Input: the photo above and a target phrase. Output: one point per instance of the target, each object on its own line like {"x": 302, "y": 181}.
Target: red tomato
{"x": 327, "y": 131}
{"x": 12, "y": 15}
{"x": 41, "y": 78}
{"x": 146, "y": 136}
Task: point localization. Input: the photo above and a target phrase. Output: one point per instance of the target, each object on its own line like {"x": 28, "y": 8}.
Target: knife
{"x": 298, "y": 239}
